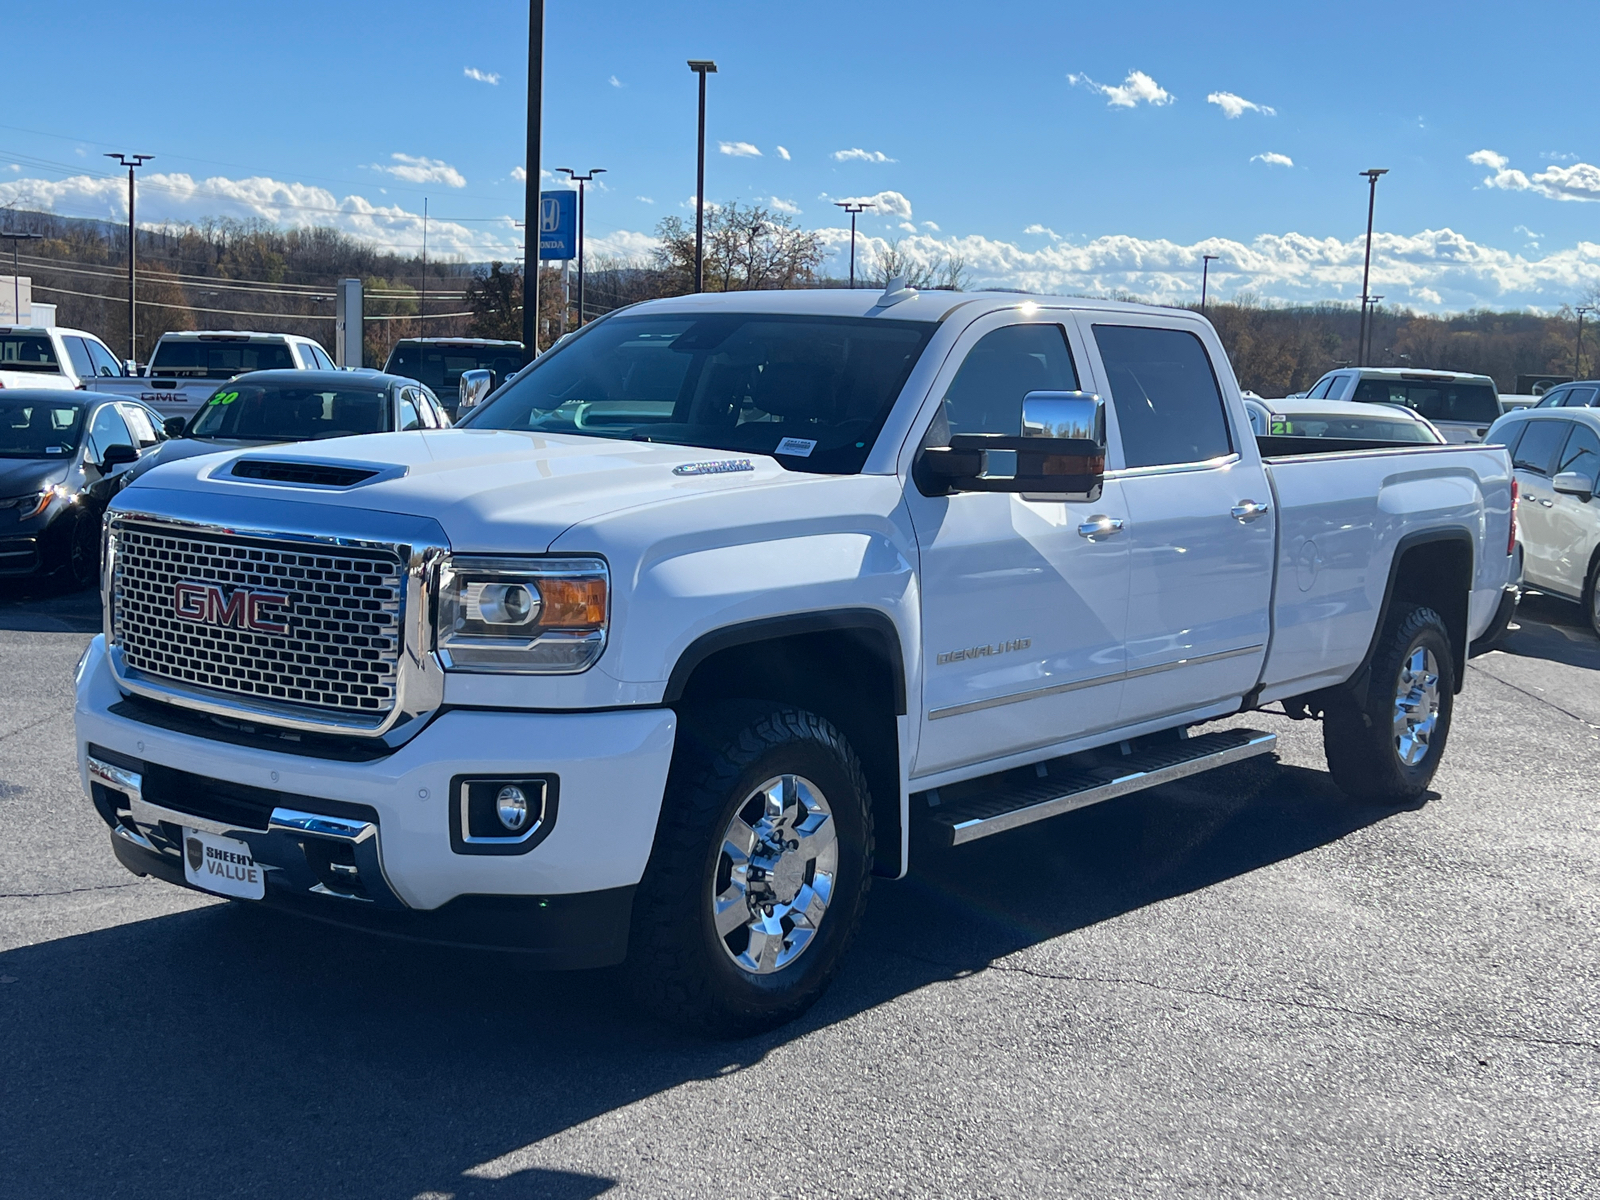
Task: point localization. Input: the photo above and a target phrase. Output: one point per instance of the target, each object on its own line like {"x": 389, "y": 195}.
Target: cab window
{"x": 1320, "y": 392}
{"x": 410, "y": 418}
{"x": 78, "y": 355}
{"x": 105, "y": 363}
{"x": 986, "y": 394}
{"x": 1581, "y": 453}
{"x": 1169, "y": 407}
{"x": 1536, "y": 449}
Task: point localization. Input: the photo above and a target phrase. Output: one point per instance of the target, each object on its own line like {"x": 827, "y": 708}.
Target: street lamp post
{"x": 530, "y": 199}
{"x": 1366, "y": 270}
{"x": 132, "y": 162}
{"x": 1205, "y": 276}
{"x": 1372, "y": 324}
{"x": 701, "y": 67}
{"x": 853, "y": 207}
{"x": 16, "y": 282}
{"x": 1577, "y": 358}
{"x": 580, "y": 180}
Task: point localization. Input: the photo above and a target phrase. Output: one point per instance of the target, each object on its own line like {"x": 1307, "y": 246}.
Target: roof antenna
{"x": 896, "y": 290}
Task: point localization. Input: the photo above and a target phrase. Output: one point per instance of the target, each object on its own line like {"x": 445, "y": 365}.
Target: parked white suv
{"x": 1555, "y": 453}
{"x": 36, "y": 357}
{"x": 703, "y": 615}
{"x": 187, "y": 367}
{"x": 1461, "y": 406}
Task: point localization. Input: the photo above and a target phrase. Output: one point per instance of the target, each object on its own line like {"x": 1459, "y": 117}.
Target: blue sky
{"x": 1073, "y": 147}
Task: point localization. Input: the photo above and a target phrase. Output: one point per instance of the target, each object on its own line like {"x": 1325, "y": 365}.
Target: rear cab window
{"x": 1436, "y": 399}
{"x": 220, "y": 358}
{"x": 1168, "y": 404}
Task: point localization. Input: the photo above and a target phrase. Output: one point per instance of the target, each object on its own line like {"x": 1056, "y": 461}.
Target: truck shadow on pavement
{"x": 227, "y": 1049}
{"x": 1554, "y": 630}
{"x": 31, "y": 607}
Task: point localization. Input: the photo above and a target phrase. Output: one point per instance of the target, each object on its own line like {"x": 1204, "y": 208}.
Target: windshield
{"x": 1341, "y": 425}
{"x": 1438, "y": 400}
{"x": 440, "y": 366}
{"x": 28, "y": 352}
{"x": 39, "y": 428}
{"x": 291, "y": 414}
{"x": 814, "y": 391}
{"x": 219, "y": 360}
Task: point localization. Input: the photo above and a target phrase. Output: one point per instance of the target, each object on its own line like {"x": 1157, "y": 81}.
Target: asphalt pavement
{"x": 1242, "y": 985}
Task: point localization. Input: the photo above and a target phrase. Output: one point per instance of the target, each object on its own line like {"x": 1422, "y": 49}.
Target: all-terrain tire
{"x": 1380, "y": 751}
{"x": 680, "y": 967}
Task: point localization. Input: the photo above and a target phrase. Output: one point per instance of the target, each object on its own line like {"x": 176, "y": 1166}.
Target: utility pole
{"x": 1366, "y": 271}
{"x": 1577, "y": 358}
{"x": 580, "y": 180}
{"x": 530, "y": 229}
{"x": 1205, "y": 276}
{"x": 853, "y": 207}
{"x": 16, "y": 283}
{"x": 1372, "y": 325}
{"x": 701, "y": 67}
{"x": 132, "y": 162}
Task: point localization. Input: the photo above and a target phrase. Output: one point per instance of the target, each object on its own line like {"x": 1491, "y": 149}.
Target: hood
{"x": 491, "y": 490}
{"x": 181, "y": 448}
{"x": 24, "y": 476}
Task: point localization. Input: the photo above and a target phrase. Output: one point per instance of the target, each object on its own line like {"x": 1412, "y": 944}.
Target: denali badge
{"x": 1008, "y": 647}
{"x": 242, "y": 610}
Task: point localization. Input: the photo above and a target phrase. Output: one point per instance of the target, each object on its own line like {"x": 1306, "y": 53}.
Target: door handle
{"x": 1099, "y": 526}
{"x": 1248, "y": 510}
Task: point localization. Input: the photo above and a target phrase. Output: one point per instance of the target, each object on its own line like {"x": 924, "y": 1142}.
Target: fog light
{"x": 512, "y": 807}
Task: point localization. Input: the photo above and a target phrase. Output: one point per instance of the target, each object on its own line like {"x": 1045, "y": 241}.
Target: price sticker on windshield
{"x": 1279, "y": 426}
{"x": 224, "y": 397}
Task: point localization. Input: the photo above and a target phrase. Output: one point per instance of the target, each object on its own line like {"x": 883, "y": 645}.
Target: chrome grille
{"x": 340, "y": 650}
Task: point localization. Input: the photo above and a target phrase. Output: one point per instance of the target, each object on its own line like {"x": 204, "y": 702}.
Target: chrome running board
{"x": 1065, "y": 788}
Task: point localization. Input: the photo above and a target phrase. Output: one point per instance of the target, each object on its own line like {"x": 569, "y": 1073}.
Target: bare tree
{"x": 747, "y": 248}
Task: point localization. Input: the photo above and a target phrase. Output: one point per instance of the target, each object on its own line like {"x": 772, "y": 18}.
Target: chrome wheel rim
{"x": 1416, "y": 706}
{"x": 775, "y": 874}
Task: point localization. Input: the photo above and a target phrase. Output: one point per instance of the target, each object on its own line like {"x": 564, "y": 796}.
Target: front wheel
{"x": 759, "y": 874}
{"x": 1591, "y": 595}
{"x": 1388, "y": 749}
{"x": 80, "y": 567}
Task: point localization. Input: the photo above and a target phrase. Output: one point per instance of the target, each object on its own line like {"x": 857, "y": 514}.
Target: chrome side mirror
{"x": 474, "y": 387}
{"x": 1080, "y": 416}
{"x": 1573, "y": 483}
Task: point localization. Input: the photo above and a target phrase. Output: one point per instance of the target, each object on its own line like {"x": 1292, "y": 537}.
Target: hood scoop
{"x": 305, "y": 474}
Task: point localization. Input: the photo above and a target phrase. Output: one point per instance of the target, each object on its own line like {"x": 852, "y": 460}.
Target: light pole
{"x": 580, "y": 180}
{"x": 1366, "y": 271}
{"x": 530, "y": 202}
{"x": 1372, "y": 324}
{"x": 701, "y": 67}
{"x": 853, "y": 207}
{"x": 132, "y": 162}
{"x": 1577, "y": 358}
{"x": 16, "y": 283}
{"x": 1205, "y": 276}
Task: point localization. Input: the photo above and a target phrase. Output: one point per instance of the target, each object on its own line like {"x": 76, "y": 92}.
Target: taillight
{"x": 1511, "y": 535}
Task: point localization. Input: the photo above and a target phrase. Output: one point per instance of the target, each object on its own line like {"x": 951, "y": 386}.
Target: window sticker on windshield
{"x": 224, "y": 397}
{"x": 1279, "y": 426}
{"x": 798, "y": 447}
{"x": 55, "y": 449}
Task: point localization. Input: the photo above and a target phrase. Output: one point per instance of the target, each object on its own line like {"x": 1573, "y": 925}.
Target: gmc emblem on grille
{"x": 242, "y": 610}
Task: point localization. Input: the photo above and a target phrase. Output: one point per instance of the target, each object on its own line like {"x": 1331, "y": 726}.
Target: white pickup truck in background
{"x": 186, "y": 368}
{"x": 729, "y": 601}
{"x": 37, "y": 357}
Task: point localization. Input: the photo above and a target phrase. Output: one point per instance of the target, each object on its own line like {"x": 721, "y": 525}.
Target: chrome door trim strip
{"x": 956, "y": 710}
{"x": 1210, "y": 464}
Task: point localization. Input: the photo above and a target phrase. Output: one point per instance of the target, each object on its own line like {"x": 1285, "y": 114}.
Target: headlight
{"x": 533, "y": 616}
{"x": 32, "y": 505}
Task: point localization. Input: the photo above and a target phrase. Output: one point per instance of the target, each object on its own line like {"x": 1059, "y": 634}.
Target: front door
{"x": 1534, "y": 462}
{"x": 1022, "y": 615}
{"x": 1200, "y": 525}
{"x": 1573, "y": 519}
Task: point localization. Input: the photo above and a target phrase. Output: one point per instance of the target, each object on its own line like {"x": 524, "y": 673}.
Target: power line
{"x": 237, "y": 312}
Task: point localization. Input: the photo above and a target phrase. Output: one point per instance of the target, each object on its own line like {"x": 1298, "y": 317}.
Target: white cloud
{"x": 1044, "y": 229}
{"x": 489, "y": 77}
{"x": 1273, "y": 160}
{"x": 422, "y": 170}
{"x": 783, "y": 154}
{"x": 1557, "y": 156}
{"x": 860, "y": 155}
{"x": 930, "y": 225}
{"x": 166, "y": 199}
{"x": 1578, "y": 182}
{"x": 1136, "y": 87}
{"x": 785, "y": 206}
{"x": 644, "y": 199}
{"x": 614, "y": 82}
{"x": 520, "y": 174}
{"x": 1232, "y": 106}
{"x": 884, "y": 204}
{"x": 16, "y": 166}
{"x": 739, "y": 149}
{"x": 908, "y": 226}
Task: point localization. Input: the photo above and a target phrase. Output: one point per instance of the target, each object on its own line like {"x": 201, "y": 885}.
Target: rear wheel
{"x": 1591, "y": 596}
{"x": 759, "y": 872}
{"x": 1389, "y": 748}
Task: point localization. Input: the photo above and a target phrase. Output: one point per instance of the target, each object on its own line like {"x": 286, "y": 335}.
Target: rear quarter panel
{"x": 1341, "y": 518}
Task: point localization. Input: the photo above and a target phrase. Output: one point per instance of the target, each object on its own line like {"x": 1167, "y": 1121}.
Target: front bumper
{"x": 368, "y": 843}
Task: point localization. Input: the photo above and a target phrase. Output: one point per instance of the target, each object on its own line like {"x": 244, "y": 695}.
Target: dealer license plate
{"x": 222, "y": 865}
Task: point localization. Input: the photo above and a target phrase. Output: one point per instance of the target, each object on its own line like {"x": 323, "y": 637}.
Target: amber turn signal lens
{"x": 573, "y": 603}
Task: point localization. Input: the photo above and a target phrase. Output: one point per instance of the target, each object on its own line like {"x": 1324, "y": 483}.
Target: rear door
{"x": 1574, "y": 521}
{"x": 1200, "y": 526}
{"x": 1533, "y": 460}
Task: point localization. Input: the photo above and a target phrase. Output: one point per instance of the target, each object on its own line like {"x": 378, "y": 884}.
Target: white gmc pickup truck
{"x": 730, "y": 600}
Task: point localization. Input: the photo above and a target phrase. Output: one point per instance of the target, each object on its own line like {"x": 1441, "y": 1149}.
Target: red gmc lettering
{"x": 242, "y": 610}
